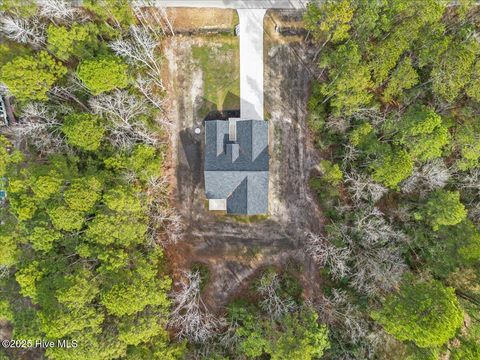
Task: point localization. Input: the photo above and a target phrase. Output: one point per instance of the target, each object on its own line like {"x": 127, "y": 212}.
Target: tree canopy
{"x": 79, "y": 257}
{"x": 426, "y": 313}
{"x": 30, "y": 77}
{"x": 297, "y": 336}
{"x": 423, "y": 134}
{"x": 80, "y": 40}
{"x": 84, "y": 131}
{"x": 443, "y": 208}
{"x": 103, "y": 73}
{"x": 394, "y": 106}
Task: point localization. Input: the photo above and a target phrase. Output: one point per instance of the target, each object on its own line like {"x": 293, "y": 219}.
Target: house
{"x": 236, "y": 166}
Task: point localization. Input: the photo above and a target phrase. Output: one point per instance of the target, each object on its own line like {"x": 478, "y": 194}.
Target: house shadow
{"x": 230, "y": 106}
{"x": 191, "y": 146}
{"x": 192, "y": 149}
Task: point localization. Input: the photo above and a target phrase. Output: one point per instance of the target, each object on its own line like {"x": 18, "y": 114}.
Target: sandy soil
{"x": 234, "y": 251}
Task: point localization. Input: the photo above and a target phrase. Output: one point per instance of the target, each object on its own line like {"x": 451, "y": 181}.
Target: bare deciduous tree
{"x": 371, "y": 257}
{"x": 339, "y": 310}
{"x": 24, "y": 31}
{"x": 139, "y": 49}
{"x": 148, "y": 88}
{"x": 190, "y": 315}
{"x": 168, "y": 223}
{"x": 374, "y": 227}
{"x": 275, "y": 305}
{"x": 430, "y": 176}
{"x": 362, "y": 188}
{"x": 377, "y": 270}
{"x": 57, "y": 9}
{"x": 326, "y": 254}
{"x": 373, "y": 115}
{"x": 119, "y": 106}
{"x": 4, "y": 271}
{"x": 4, "y": 90}
{"x": 39, "y": 126}
{"x": 165, "y": 222}
{"x": 350, "y": 325}
{"x": 470, "y": 183}
{"x": 377, "y": 261}
{"x": 123, "y": 111}
{"x": 62, "y": 95}
{"x": 350, "y": 155}
{"x": 337, "y": 124}
{"x": 154, "y": 17}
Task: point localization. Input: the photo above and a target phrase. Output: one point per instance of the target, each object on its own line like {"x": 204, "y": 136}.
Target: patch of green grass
{"x": 235, "y": 20}
{"x": 219, "y": 61}
{"x": 278, "y": 135}
{"x": 247, "y": 219}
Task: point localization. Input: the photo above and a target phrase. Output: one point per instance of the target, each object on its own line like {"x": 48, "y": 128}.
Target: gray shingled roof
{"x": 237, "y": 171}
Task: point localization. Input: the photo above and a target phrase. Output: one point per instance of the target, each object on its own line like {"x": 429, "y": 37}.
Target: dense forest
{"x": 86, "y": 195}
{"x": 394, "y": 112}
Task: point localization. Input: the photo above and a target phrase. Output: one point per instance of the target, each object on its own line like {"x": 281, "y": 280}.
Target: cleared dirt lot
{"x": 235, "y": 250}
{"x": 188, "y": 19}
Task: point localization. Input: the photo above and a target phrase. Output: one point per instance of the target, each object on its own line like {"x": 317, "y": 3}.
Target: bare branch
{"x": 470, "y": 181}
{"x": 123, "y": 112}
{"x": 64, "y": 94}
{"x": 139, "y": 49}
{"x": 373, "y": 115}
{"x": 378, "y": 264}
{"x": 432, "y": 175}
{"x": 275, "y": 305}
{"x": 39, "y": 126}
{"x": 57, "y": 9}
{"x": 337, "y": 124}
{"x": 149, "y": 88}
{"x": 4, "y": 90}
{"x": 326, "y": 254}
{"x": 371, "y": 257}
{"x": 165, "y": 221}
{"x": 362, "y": 188}
{"x": 340, "y": 311}
{"x": 351, "y": 154}
{"x": 190, "y": 316}
{"x": 30, "y": 31}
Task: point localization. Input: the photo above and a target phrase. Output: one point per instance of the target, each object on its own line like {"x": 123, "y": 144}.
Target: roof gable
{"x": 251, "y": 145}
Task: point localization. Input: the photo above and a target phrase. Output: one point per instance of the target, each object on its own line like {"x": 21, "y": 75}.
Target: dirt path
{"x": 233, "y": 250}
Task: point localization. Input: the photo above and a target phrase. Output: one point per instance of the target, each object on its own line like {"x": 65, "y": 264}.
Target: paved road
{"x": 227, "y": 4}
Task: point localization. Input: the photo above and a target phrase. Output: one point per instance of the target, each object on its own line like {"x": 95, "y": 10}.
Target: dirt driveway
{"x": 234, "y": 250}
